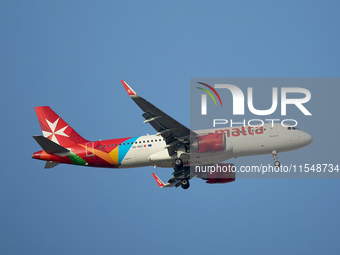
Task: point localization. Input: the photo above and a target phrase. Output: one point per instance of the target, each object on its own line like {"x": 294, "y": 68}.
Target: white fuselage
{"x": 241, "y": 141}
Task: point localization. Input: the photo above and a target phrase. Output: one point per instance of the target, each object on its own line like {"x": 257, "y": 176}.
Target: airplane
{"x": 173, "y": 146}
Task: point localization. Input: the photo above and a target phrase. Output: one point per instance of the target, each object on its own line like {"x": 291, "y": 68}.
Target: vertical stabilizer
{"x": 55, "y": 128}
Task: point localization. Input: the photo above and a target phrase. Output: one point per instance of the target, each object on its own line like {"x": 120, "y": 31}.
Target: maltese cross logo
{"x": 52, "y": 135}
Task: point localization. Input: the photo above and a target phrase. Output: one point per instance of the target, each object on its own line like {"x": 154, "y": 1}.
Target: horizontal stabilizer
{"x": 49, "y": 146}
{"x": 51, "y": 164}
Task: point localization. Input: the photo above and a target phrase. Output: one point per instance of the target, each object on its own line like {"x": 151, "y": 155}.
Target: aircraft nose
{"x": 307, "y": 139}
{"x": 310, "y": 139}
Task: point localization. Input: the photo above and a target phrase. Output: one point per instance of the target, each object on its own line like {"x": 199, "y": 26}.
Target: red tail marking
{"x": 55, "y": 128}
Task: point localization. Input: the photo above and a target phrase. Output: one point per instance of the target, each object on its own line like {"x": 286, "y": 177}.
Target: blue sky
{"x": 71, "y": 55}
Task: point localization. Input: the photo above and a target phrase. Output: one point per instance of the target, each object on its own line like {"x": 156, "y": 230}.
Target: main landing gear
{"x": 178, "y": 164}
{"x": 275, "y": 157}
{"x": 181, "y": 173}
{"x": 185, "y": 183}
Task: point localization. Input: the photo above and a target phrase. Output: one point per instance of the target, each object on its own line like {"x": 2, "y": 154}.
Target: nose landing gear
{"x": 275, "y": 157}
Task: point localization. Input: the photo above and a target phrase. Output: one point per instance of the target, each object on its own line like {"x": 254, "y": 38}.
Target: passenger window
{"x": 152, "y": 141}
{"x": 100, "y": 146}
{"x": 123, "y": 143}
{"x": 104, "y": 146}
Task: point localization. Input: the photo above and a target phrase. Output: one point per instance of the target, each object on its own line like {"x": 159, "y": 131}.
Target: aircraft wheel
{"x": 277, "y": 164}
{"x": 178, "y": 163}
{"x": 185, "y": 183}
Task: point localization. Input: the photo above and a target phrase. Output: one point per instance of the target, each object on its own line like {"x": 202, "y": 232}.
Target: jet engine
{"x": 212, "y": 142}
{"x": 216, "y": 173}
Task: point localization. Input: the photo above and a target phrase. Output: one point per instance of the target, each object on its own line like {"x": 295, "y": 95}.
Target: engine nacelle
{"x": 216, "y": 173}
{"x": 212, "y": 142}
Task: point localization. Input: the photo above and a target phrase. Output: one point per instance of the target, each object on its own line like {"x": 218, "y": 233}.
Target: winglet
{"x": 129, "y": 90}
{"x": 159, "y": 181}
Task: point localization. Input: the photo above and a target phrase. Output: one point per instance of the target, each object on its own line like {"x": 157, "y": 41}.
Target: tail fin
{"x": 55, "y": 128}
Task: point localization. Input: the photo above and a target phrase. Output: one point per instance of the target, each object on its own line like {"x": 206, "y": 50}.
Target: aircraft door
{"x": 89, "y": 149}
{"x": 273, "y": 130}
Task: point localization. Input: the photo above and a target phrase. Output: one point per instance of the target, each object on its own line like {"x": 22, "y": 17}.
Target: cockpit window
{"x": 292, "y": 128}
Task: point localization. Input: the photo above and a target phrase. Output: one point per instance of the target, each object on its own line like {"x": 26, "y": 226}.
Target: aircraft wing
{"x": 170, "y": 129}
{"x": 171, "y": 183}
{"x": 174, "y": 181}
